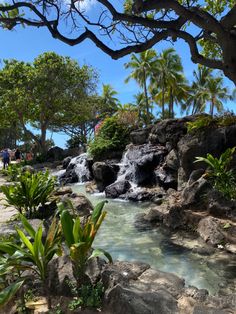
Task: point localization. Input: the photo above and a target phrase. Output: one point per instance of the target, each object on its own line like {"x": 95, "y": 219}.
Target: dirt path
{"x": 6, "y": 212}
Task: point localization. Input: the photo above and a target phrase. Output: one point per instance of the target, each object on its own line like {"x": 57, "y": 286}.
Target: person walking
{"x": 6, "y": 158}
{"x": 18, "y": 155}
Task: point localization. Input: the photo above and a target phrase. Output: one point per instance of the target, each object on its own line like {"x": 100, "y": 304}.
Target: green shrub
{"x": 199, "y": 124}
{"x": 29, "y": 192}
{"x": 28, "y": 252}
{"x": 225, "y": 119}
{"x": 112, "y": 136}
{"x": 79, "y": 238}
{"x": 222, "y": 177}
{"x": 13, "y": 171}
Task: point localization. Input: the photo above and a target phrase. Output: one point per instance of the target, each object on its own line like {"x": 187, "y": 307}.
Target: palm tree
{"x": 142, "y": 66}
{"x": 216, "y": 94}
{"x": 207, "y": 89}
{"x": 167, "y": 76}
{"x": 109, "y": 100}
{"x": 198, "y": 95}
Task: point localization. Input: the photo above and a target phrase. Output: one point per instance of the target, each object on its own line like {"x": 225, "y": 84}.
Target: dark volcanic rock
{"x": 55, "y": 153}
{"x": 118, "y": 188}
{"x": 209, "y": 229}
{"x": 69, "y": 176}
{"x": 66, "y": 162}
{"x": 219, "y": 206}
{"x": 105, "y": 173}
{"x": 169, "y": 130}
{"x": 122, "y": 300}
{"x": 140, "y": 136}
{"x": 212, "y": 140}
{"x": 195, "y": 194}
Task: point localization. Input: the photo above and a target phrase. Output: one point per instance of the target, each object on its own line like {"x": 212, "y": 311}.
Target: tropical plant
{"x": 142, "y": 66}
{"x": 109, "y": 100}
{"x": 111, "y": 136}
{"x": 13, "y": 171}
{"x": 29, "y": 252}
{"x": 222, "y": 177}
{"x": 200, "y": 123}
{"x": 31, "y": 190}
{"x": 79, "y": 238}
{"x": 87, "y": 295}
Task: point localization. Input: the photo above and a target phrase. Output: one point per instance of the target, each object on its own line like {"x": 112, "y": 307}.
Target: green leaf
{"x": 27, "y": 226}
{"x": 99, "y": 252}
{"x": 67, "y": 227}
{"x": 77, "y": 231}
{"x": 7, "y": 293}
{"x": 25, "y": 240}
{"x": 97, "y": 211}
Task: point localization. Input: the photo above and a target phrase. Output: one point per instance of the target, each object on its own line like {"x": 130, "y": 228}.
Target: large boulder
{"x": 105, "y": 173}
{"x": 117, "y": 188}
{"x": 55, "y": 153}
{"x": 66, "y": 162}
{"x": 209, "y": 229}
{"x": 140, "y": 161}
{"x": 219, "y": 206}
{"x": 172, "y": 160}
{"x": 140, "y": 136}
{"x": 169, "y": 130}
{"x": 166, "y": 178}
{"x": 80, "y": 202}
{"x": 122, "y": 300}
{"x": 210, "y": 140}
{"x": 68, "y": 177}
{"x": 194, "y": 195}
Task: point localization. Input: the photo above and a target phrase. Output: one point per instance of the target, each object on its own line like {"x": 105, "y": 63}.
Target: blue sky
{"x": 27, "y": 43}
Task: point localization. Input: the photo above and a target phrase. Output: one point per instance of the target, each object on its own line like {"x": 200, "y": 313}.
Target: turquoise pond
{"x": 123, "y": 241}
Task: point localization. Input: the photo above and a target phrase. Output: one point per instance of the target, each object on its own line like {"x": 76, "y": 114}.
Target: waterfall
{"x": 81, "y": 167}
{"x": 127, "y": 168}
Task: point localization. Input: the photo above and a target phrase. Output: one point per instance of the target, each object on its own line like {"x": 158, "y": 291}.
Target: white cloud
{"x": 86, "y": 4}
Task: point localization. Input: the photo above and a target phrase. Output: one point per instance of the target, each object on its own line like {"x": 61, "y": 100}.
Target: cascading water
{"x": 81, "y": 167}
{"x": 127, "y": 168}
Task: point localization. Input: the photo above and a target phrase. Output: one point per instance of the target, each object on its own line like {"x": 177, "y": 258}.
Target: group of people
{"x": 16, "y": 154}
{"x": 7, "y": 155}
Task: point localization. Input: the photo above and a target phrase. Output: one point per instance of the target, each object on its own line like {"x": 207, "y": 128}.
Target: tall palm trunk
{"x": 146, "y": 95}
{"x": 171, "y": 104}
{"x": 163, "y": 101}
{"x": 212, "y": 105}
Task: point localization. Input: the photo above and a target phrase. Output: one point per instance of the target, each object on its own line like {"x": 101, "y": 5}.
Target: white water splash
{"x": 81, "y": 167}
{"x": 127, "y": 169}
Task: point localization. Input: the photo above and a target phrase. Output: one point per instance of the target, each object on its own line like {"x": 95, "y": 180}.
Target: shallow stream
{"x": 123, "y": 241}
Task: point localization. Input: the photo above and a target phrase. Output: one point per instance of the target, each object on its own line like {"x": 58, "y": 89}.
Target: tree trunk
{"x": 42, "y": 140}
{"x": 212, "y": 107}
{"x": 146, "y": 95}
{"x": 171, "y": 104}
{"x": 163, "y": 101}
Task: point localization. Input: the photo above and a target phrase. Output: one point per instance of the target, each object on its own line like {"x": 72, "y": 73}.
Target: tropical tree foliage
{"x": 207, "y": 27}
{"x": 44, "y": 94}
{"x": 168, "y": 84}
{"x": 141, "y": 67}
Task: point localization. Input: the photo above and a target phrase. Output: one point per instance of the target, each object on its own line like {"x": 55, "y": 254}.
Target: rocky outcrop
{"x": 135, "y": 288}
{"x": 55, "y": 153}
{"x": 140, "y": 136}
{"x": 116, "y": 189}
{"x": 211, "y": 140}
{"x": 66, "y": 161}
{"x": 105, "y": 173}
